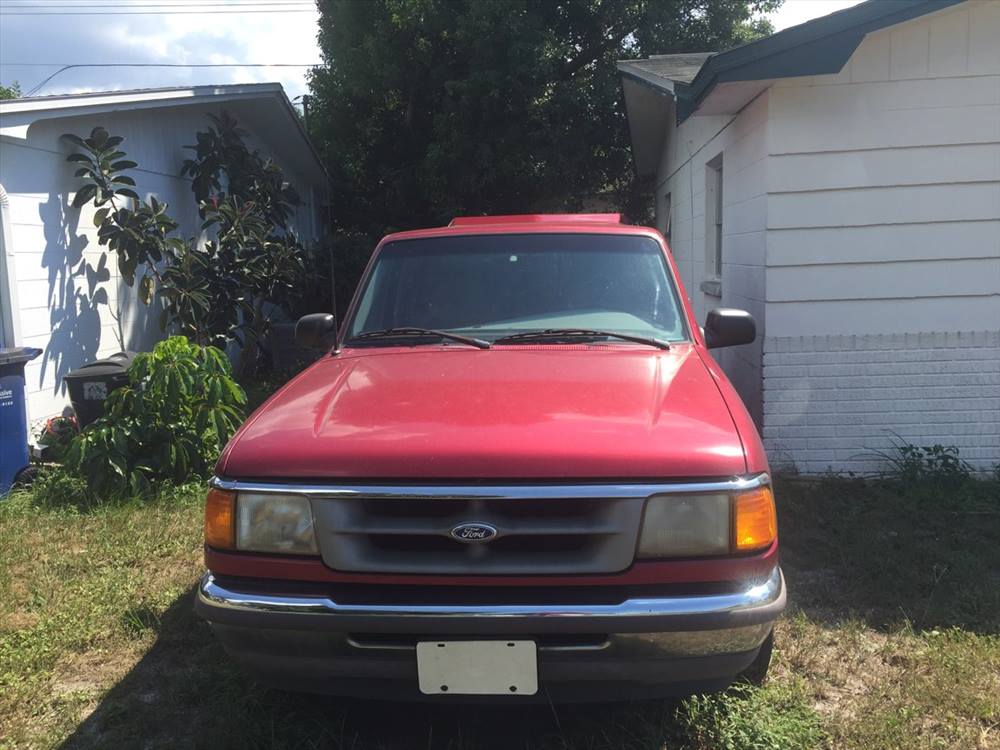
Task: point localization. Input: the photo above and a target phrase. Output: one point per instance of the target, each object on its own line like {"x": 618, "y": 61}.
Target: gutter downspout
{"x": 10, "y": 328}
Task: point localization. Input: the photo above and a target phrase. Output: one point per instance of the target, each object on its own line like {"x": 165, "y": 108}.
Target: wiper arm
{"x": 568, "y": 333}
{"x": 412, "y": 331}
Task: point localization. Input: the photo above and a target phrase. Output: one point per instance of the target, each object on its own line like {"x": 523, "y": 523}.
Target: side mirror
{"x": 316, "y": 331}
{"x": 727, "y": 327}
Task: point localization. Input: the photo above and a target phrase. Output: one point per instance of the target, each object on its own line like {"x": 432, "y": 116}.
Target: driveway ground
{"x": 892, "y": 640}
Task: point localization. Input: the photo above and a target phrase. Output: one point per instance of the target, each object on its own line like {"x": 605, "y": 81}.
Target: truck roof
{"x": 529, "y": 224}
{"x": 473, "y": 221}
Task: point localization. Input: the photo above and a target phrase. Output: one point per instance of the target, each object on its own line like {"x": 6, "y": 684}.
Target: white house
{"x": 59, "y": 290}
{"x": 841, "y": 181}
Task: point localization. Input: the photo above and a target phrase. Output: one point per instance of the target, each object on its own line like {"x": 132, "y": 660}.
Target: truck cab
{"x": 515, "y": 471}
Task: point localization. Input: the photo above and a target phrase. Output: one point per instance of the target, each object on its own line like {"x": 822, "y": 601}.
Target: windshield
{"x": 491, "y": 286}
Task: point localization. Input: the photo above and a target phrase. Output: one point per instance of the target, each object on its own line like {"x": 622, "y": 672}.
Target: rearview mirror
{"x": 728, "y": 327}
{"x": 316, "y": 331}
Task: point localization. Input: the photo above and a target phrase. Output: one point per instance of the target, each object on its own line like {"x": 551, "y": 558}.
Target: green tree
{"x": 214, "y": 292}
{"x": 10, "y": 92}
{"x": 426, "y": 109}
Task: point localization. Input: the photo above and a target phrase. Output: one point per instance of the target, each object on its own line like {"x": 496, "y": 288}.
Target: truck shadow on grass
{"x": 884, "y": 557}
{"x": 186, "y": 692}
{"x": 893, "y": 556}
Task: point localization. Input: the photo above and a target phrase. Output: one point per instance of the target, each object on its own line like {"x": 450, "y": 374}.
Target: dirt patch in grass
{"x": 891, "y": 641}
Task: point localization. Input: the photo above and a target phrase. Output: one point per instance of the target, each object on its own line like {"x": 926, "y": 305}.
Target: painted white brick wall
{"x": 831, "y": 401}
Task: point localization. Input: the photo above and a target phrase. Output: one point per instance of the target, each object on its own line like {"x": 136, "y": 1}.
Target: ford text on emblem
{"x": 473, "y": 532}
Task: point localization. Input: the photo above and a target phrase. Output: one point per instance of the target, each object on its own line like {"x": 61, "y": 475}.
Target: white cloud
{"x": 794, "y": 12}
{"x": 195, "y": 38}
{"x": 242, "y": 37}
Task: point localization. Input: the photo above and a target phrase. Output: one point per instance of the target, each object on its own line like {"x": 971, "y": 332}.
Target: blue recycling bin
{"x": 13, "y": 414}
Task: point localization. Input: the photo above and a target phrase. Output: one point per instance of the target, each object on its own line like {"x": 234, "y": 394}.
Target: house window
{"x": 713, "y": 227}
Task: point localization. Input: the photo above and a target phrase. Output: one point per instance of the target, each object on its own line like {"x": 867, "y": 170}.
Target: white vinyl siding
{"x": 883, "y": 249}
{"x": 884, "y": 184}
{"x": 741, "y": 142}
{"x": 862, "y": 230}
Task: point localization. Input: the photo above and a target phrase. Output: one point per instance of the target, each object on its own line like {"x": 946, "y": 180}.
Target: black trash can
{"x": 13, "y": 414}
{"x": 91, "y": 384}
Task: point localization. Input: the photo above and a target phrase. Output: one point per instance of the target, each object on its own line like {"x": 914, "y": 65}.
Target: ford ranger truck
{"x": 515, "y": 471}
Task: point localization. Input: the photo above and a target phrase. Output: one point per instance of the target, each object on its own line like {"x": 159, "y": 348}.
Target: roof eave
{"x": 18, "y": 115}
{"x": 818, "y": 47}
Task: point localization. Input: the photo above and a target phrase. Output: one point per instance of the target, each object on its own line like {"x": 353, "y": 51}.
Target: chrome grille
{"x": 412, "y": 533}
{"x": 542, "y": 529}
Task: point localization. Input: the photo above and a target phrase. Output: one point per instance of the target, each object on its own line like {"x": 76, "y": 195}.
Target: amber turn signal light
{"x": 220, "y": 519}
{"x": 756, "y": 523}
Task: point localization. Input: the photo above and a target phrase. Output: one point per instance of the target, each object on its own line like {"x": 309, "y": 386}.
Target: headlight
{"x": 685, "y": 526}
{"x": 711, "y": 524}
{"x": 275, "y": 523}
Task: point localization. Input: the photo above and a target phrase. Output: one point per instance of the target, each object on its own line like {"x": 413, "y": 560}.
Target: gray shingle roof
{"x": 680, "y": 68}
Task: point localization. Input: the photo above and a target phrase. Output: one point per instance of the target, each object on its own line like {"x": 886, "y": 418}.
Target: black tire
{"x": 756, "y": 673}
{"x": 25, "y": 477}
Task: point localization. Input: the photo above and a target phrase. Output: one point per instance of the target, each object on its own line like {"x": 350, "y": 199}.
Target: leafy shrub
{"x": 169, "y": 423}
{"x": 55, "y": 487}
{"x": 747, "y": 718}
{"x": 933, "y": 463}
{"x": 228, "y": 288}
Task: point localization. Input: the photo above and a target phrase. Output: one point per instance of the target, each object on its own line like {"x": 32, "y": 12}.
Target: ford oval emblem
{"x": 473, "y": 532}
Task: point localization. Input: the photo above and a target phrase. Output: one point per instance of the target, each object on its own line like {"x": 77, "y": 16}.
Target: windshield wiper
{"x": 403, "y": 331}
{"x": 576, "y": 333}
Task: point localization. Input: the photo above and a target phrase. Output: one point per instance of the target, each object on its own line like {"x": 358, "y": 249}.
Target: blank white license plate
{"x": 477, "y": 667}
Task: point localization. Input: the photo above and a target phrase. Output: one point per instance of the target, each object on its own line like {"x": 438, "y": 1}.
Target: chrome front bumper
{"x": 757, "y": 604}
{"x": 639, "y": 647}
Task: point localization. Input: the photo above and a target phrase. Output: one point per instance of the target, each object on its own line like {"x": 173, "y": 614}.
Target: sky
{"x": 37, "y": 37}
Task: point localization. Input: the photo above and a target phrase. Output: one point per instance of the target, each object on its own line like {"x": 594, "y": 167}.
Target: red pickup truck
{"x": 515, "y": 471}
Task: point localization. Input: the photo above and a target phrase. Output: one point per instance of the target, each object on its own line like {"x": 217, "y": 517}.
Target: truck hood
{"x": 508, "y": 413}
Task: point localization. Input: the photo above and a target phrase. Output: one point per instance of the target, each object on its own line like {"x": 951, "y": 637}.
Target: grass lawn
{"x": 892, "y": 640}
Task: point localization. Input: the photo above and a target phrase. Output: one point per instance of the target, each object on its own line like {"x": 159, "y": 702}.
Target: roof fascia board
{"x": 15, "y": 121}
{"x": 818, "y": 47}
{"x": 17, "y": 116}
{"x": 658, "y": 83}
{"x": 107, "y": 98}
{"x": 643, "y": 164}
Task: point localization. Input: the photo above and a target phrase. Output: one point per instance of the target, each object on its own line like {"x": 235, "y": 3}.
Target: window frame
{"x": 714, "y": 224}
{"x": 367, "y": 279}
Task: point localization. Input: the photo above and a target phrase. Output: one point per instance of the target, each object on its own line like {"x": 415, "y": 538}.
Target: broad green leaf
{"x": 83, "y": 195}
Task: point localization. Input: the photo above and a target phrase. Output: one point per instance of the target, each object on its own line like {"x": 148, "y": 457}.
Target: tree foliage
{"x": 430, "y": 108}
{"x": 10, "y": 92}
{"x": 226, "y": 287}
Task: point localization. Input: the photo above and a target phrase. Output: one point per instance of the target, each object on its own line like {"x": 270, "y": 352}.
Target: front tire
{"x": 25, "y": 477}
{"x": 756, "y": 673}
